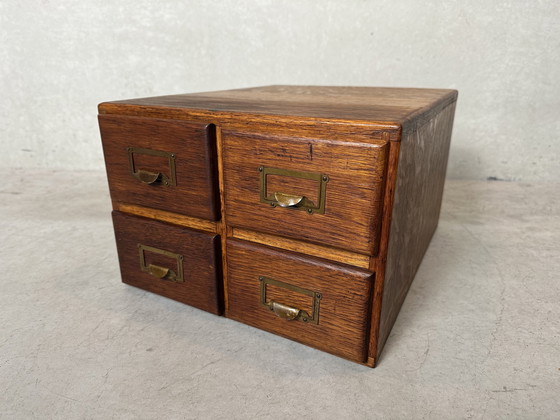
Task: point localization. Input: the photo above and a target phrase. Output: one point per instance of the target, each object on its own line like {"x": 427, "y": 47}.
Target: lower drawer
{"x": 179, "y": 263}
{"x": 312, "y": 301}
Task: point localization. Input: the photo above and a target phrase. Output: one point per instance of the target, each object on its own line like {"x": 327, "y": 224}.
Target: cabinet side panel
{"x": 417, "y": 203}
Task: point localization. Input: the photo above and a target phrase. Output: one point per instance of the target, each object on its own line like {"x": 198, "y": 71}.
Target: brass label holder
{"x": 287, "y": 312}
{"x": 282, "y": 199}
{"x": 160, "y": 272}
{"x": 148, "y": 177}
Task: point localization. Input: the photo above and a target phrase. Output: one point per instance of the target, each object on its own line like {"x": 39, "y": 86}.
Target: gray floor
{"x": 478, "y": 336}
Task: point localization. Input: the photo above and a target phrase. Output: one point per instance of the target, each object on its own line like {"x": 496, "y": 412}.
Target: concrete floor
{"x": 478, "y": 335}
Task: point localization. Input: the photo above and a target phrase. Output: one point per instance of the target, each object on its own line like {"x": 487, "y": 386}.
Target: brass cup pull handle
{"x": 284, "y": 311}
{"x": 148, "y": 177}
{"x": 158, "y": 271}
{"x": 161, "y": 272}
{"x": 166, "y": 177}
{"x": 312, "y": 203}
{"x": 287, "y": 312}
{"x": 287, "y": 200}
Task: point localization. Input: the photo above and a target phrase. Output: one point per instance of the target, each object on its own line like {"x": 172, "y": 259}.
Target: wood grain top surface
{"x": 400, "y": 106}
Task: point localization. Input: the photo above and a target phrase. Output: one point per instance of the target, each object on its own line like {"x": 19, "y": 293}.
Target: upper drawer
{"x": 321, "y": 190}
{"x": 163, "y": 164}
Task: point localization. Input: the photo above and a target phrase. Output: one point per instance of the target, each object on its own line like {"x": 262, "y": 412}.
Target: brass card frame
{"x": 303, "y": 315}
{"x": 177, "y": 276}
{"x": 305, "y": 204}
{"x": 164, "y": 179}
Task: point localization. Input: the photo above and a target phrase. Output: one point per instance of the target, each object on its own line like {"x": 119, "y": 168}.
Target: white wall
{"x": 58, "y": 59}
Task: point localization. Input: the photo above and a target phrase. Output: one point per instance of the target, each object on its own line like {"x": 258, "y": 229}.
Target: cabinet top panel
{"x": 403, "y": 107}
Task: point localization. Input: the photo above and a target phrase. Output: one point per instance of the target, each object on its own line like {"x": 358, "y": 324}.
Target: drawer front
{"x": 163, "y": 164}
{"x": 323, "y": 191}
{"x": 179, "y": 263}
{"x": 308, "y": 300}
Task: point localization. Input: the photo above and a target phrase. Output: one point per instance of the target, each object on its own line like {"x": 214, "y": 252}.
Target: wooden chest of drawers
{"x": 301, "y": 210}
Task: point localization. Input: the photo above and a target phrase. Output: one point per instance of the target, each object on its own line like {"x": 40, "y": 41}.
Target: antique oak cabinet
{"x": 304, "y": 211}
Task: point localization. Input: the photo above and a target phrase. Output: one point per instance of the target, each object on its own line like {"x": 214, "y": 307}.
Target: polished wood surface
{"x": 385, "y": 153}
{"x": 201, "y": 267}
{"x": 403, "y": 106}
{"x": 353, "y": 192}
{"x": 194, "y": 147}
{"x": 348, "y": 130}
{"x": 343, "y": 322}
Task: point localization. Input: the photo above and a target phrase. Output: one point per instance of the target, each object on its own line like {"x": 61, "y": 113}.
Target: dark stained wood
{"x": 353, "y": 193}
{"x": 201, "y": 252}
{"x": 385, "y": 151}
{"x": 402, "y": 106}
{"x": 343, "y": 318}
{"x": 194, "y": 146}
{"x": 415, "y": 212}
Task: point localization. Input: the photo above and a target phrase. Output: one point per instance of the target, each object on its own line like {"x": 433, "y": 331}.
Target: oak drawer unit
{"x": 304, "y": 211}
